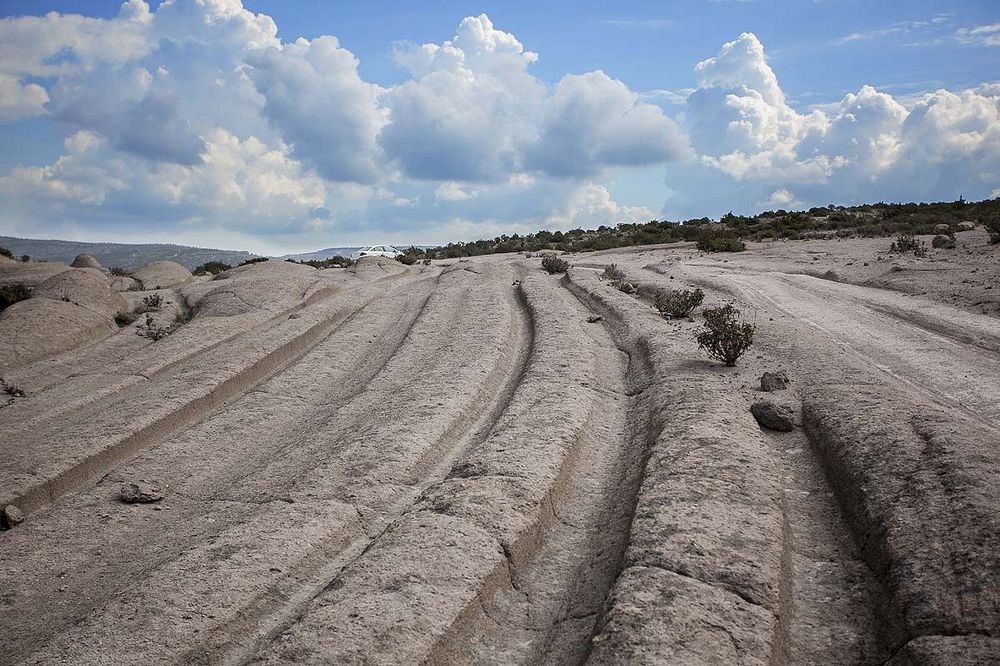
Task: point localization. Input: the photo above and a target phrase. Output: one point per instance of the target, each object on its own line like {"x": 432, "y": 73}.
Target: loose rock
{"x": 774, "y": 416}
{"x": 774, "y": 381}
{"x": 11, "y": 516}
{"x": 138, "y": 493}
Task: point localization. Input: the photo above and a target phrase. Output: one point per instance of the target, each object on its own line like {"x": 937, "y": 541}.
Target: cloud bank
{"x": 196, "y": 119}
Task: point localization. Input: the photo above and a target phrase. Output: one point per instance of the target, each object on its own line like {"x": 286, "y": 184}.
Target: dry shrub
{"x": 678, "y": 302}
{"x": 726, "y": 336}
{"x": 906, "y": 243}
{"x": 553, "y": 264}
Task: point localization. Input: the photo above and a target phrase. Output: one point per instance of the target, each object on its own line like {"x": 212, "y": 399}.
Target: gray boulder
{"x": 774, "y": 415}
{"x": 941, "y": 228}
{"x": 966, "y": 226}
{"x": 774, "y": 381}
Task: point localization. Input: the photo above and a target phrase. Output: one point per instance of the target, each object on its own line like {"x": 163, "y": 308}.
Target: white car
{"x": 376, "y": 251}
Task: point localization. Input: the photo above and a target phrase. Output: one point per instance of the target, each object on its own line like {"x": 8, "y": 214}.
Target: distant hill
{"x": 120, "y": 254}
{"x": 321, "y": 255}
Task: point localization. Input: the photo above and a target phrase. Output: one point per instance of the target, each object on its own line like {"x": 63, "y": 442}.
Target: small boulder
{"x": 774, "y": 415}
{"x": 774, "y": 381}
{"x": 942, "y": 229}
{"x": 966, "y": 226}
{"x": 85, "y": 261}
{"x": 11, "y": 516}
{"x": 138, "y": 492}
{"x": 942, "y": 242}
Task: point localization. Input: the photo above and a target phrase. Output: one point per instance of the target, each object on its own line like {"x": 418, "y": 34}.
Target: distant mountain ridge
{"x": 321, "y": 255}
{"x": 124, "y": 255}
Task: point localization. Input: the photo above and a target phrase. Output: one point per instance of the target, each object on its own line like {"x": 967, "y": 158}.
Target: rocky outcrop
{"x": 85, "y": 261}
{"x": 161, "y": 275}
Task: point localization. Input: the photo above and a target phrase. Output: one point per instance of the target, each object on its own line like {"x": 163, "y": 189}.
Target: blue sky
{"x": 212, "y": 122}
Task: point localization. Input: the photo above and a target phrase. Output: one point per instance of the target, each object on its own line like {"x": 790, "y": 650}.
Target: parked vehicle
{"x": 376, "y": 251}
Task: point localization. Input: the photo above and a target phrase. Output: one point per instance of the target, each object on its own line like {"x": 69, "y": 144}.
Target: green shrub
{"x": 255, "y": 260}
{"x": 406, "y": 259}
{"x": 25, "y": 258}
{"x": 678, "y": 302}
{"x": 906, "y": 243}
{"x": 4, "y": 252}
{"x": 993, "y": 229}
{"x": 711, "y": 241}
{"x": 12, "y": 293}
{"x": 212, "y": 268}
{"x": 553, "y": 264}
{"x": 726, "y": 336}
{"x": 117, "y": 270}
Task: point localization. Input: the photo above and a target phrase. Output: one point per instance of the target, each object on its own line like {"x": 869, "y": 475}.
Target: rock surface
{"x": 161, "y": 275}
{"x": 85, "y": 261}
{"x": 774, "y": 381}
{"x": 11, "y": 516}
{"x": 85, "y": 287}
{"x": 138, "y": 492}
{"x": 774, "y": 415}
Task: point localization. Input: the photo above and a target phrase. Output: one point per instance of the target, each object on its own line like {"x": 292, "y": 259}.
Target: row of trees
{"x": 879, "y": 219}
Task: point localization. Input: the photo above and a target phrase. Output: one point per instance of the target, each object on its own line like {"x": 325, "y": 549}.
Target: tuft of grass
{"x": 12, "y": 293}
{"x": 553, "y": 264}
{"x": 678, "y": 302}
{"x": 726, "y": 336}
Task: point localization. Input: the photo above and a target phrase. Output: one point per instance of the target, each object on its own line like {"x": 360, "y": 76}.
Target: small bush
{"x": 12, "y": 293}
{"x": 406, "y": 259}
{"x": 211, "y": 268}
{"x": 25, "y": 258}
{"x": 118, "y": 271}
{"x": 553, "y": 264}
{"x": 726, "y": 336}
{"x": 426, "y": 262}
{"x": 4, "y": 252}
{"x": 993, "y": 229}
{"x": 943, "y": 242}
{"x": 152, "y": 331}
{"x": 152, "y": 302}
{"x": 709, "y": 241}
{"x": 678, "y": 302}
{"x": 123, "y": 319}
{"x": 255, "y": 260}
{"x": 905, "y": 243}
{"x": 613, "y": 274}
